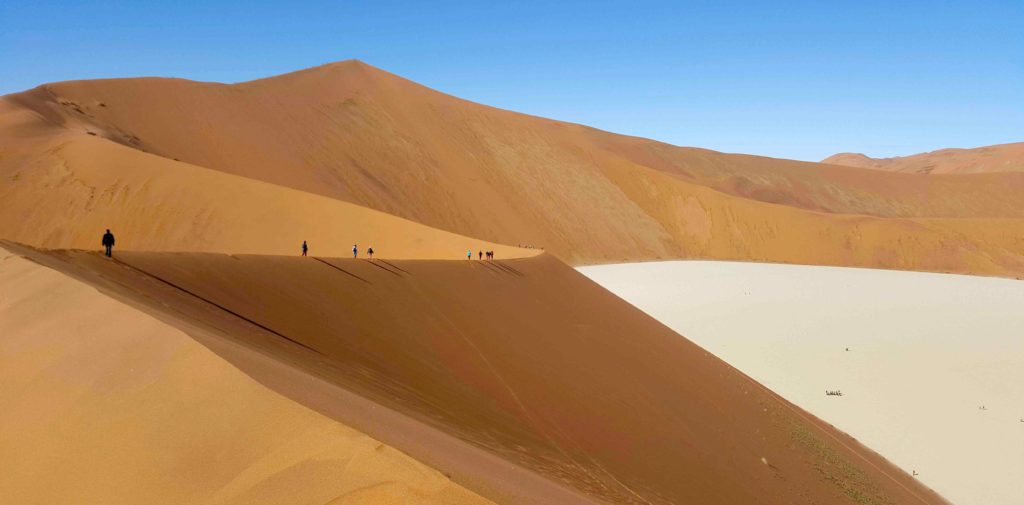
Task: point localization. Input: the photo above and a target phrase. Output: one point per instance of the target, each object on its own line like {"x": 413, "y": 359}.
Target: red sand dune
{"x": 526, "y": 361}
{"x": 350, "y": 132}
{"x": 997, "y": 158}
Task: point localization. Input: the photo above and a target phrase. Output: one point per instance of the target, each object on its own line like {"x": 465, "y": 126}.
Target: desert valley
{"x": 207, "y": 361}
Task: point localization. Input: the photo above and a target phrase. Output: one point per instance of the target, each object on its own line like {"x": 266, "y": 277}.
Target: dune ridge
{"x": 61, "y": 190}
{"x": 524, "y": 359}
{"x": 353, "y": 133}
{"x": 353, "y": 127}
{"x": 987, "y": 159}
{"x": 106, "y": 404}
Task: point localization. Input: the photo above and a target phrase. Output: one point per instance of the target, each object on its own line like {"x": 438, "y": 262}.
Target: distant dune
{"x": 348, "y": 132}
{"x": 997, "y": 158}
{"x": 521, "y": 378}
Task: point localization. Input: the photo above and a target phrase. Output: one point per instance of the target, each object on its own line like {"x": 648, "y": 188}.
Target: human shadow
{"x": 342, "y": 270}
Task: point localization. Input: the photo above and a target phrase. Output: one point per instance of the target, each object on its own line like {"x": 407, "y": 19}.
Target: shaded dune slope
{"x": 354, "y": 133}
{"x": 524, "y": 360}
{"x": 997, "y": 158}
{"x": 105, "y": 404}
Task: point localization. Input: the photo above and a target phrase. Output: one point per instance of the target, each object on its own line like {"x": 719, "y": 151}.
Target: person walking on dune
{"x": 305, "y": 248}
{"x": 369, "y": 252}
{"x": 108, "y": 242}
{"x": 355, "y": 250}
{"x": 469, "y": 254}
{"x": 479, "y": 255}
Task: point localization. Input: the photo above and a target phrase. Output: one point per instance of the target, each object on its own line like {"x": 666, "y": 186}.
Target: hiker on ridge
{"x": 369, "y": 251}
{"x": 355, "y": 250}
{"x": 469, "y": 254}
{"x": 108, "y": 242}
{"x": 305, "y": 248}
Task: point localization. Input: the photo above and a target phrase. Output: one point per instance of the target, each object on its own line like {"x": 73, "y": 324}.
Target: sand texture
{"x": 997, "y": 158}
{"x": 525, "y": 360}
{"x": 926, "y": 351}
{"x": 208, "y": 363}
{"x": 86, "y": 155}
{"x": 65, "y": 190}
{"x": 106, "y": 404}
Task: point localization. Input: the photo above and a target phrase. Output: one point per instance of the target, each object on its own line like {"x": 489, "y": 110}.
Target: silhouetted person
{"x": 355, "y": 251}
{"x": 369, "y": 251}
{"x": 479, "y": 255}
{"x": 305, "y": 248}
{"x": 108, "y": 242}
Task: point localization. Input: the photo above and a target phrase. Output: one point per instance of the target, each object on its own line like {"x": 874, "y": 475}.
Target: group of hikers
{"x": 108, "y": 245}
{"x": 833, "y": 393}
{"x": 479, "y": 254}
{"x": 355, "y": 250}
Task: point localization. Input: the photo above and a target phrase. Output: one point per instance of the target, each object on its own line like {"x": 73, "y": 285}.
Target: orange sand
{"x": 525, "y": 360}
{"x": 64, "y": 190}
{"x": 353, "y": 133}
{"x": 105, "y": 404}
{"x": 997, "y": 158}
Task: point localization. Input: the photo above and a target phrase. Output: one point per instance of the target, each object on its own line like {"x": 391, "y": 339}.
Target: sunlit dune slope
{"x": 103, "y": 403}
{"x": 526, "y": 360}
{"x": 61, "y": 189}
{"x": 355, "y": 133}
{"x": 997, "y": 158}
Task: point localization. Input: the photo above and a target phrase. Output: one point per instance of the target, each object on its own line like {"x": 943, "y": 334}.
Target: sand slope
{"x": 61, "y": 189}
{"x": 925, "y": 352}
{"x": 525, "y": 360}
{"x": 105, "y": 404}
{"x": 354, "y": 133}
{"x": 997, "y": 158}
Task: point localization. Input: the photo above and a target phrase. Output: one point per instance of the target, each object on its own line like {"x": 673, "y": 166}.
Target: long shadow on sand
{"x": 214, "y": 304}
{"x": 342, "y": 270}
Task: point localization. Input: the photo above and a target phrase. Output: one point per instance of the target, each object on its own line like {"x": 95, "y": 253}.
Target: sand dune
{"x": 518, "y": 380}
{"x": 62, "y": 190}
{"x": 925, "y": 352}
{"x": 350, "y": 132}
{"x": 105, "y": 404}
{"x": 997, "y": 158}
{"x": 525, "y": 360}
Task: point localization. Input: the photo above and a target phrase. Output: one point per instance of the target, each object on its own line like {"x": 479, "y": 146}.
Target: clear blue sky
{"x": 789, "y": 79}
